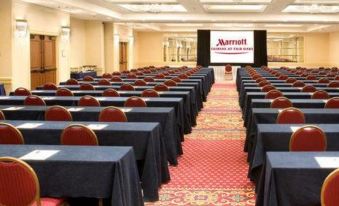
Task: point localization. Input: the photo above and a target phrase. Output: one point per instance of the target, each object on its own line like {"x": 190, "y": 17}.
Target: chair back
{"x": 228, "y": 68}
{"x": 126, "y": 87}
{"x": 308, "y": 139}
{"x": 135, "y": 102}
{"x": 291, "y": 80}
{"x": 170, "y": 83}
{"x": 2, "y": 115}
{"x": 282, "y": 77}
{"x": 78, "y": 134}
{"x": 116, "y": 79}
{"x": 298, "y": 84}
{"x": 72, "y": 82}
{"x": 273, "y": 94}
{"x": 22, "y": 92}
{"x": 116, "y": 73}
{"x": 64, "y": 92}
{"x": 183, "y": 76}
{"x": 140, "y": 82}
{"x": 281, "y": 102}
{"x": 110, "y": 92}
{"x": 311, "y": 77}
{"x": 107, "y": 76}
{"x": 19, "y": 183}
{"x": 50, "y": 86}
{"x": 308, "y": 88}
{"x": 10, "y": 134}
{"x": 320, "y": 94}
{"x": 88, "y": 101}
{"x": 161, "y": 87}
{"x": 112, "y": 114}
{"x": 176, "y": 79}
{"x": 149, "y": 79}
{"x": 324, "y": 80}
{"x": 267, "y": 88}
{"x": 88, "y": 78}
{"x": 150, "y": 93}
{"x": 330, "y": 189}
{"x": 131, "y": 76}
{"x": 160, "y": 76}
{"x": 57, "y": 113}
{"x": 87, "y": 87}
{"x": 332, "y": 103}
{"x": 260, "y": 79}
{"x": 291, "y": 116}
{"x": 34, "y": 100}
{"x": 333, "y": 84}
{"x": 264, "y": 83}
{"x": 104, "y": 82}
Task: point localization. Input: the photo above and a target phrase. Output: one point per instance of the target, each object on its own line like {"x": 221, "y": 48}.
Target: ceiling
{"x": 190, "y": 15}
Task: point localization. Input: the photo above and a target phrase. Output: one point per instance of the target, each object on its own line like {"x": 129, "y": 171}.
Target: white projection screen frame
{"x": 232, "y": 47}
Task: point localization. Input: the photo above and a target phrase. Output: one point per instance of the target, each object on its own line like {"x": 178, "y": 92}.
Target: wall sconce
{"x": 21, "y": 27}
{"x": 65, "y": 33}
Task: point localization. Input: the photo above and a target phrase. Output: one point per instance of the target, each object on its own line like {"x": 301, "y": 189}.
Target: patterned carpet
{"x": 213, "y": 169}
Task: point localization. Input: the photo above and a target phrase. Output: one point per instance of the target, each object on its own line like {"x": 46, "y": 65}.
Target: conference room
{"x": 169, "y": 102}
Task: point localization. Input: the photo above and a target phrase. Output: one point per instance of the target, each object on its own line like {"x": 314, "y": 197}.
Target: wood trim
{"x": 6, "y": 80}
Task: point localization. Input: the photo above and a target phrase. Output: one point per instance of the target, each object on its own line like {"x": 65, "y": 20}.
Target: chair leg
{"x": 101, "y": 202}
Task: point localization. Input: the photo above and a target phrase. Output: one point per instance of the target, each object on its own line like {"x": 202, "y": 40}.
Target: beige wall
{"x": 78, "y": 42}
{"x": 334, "y": 48}
{"x": 95, "y": 43}
{"x": 109, "y": 47}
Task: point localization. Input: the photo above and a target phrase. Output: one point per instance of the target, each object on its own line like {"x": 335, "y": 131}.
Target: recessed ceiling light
{"x": 314, "y": 8}
{"x": 236, "y": 8}
{"x": 236, "y": 1}
{"x": 154, "y": 8}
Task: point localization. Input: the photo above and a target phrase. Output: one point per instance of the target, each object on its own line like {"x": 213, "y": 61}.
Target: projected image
{"x": 232, "y": 47}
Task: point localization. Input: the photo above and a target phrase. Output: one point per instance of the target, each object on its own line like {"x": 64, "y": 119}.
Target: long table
{"x": 165, "y": 116}
{"x": 295, "y": 178}
{"x": 276, "y": 137}
{"x": 143, "y": 137}
{"x": 101, "y": 172}
{"x": 176, "y": 103}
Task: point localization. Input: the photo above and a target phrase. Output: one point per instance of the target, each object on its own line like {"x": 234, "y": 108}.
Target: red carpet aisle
{"x": 213, "y": 169}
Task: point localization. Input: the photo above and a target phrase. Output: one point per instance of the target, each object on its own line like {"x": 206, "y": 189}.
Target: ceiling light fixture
{"x": 154, "y": 7}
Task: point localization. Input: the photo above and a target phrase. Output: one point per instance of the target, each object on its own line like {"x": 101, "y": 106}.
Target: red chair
{"x": 87, "y": 87}
{"x": 291, "y": 80}
{"x": 150, "y": 93}
{"x": 72, "y": 82}
{"x": 183, "y": 76}
{"x": 257, "y": 76}
{"x": 273, "y": 94}
{"x": 149, "y": 79}
{"x": 110, "y": 93}
{"x": 332, "y": 103}
{"x": 112, "y": 114}
{"x": 260, "y": 79}
{"x": 282, "y": 77}
{"x": 308, "y": 139}
{"x": 104, "y": 82}
{"x": 308, "y": 88}
{"x": 64, "y": 92}
{"x": 264, "y": 83}
{"x": 2, "y": 115}
{"x": 57, "y": 113}
{"x": 228, "y": 69}
{"x": 324, "y": 80}
{"x": 126, "y": 87}
{"x": 311, "y": 77}
{"x": 107, "y": 76}
{"x": 50, "y": 86}
{"x": 281, "y": 102}
{"x": 160, "y": 76}
{"x": 291, "y": 116}
{"x": 10, "y": 135}
{"x": 336, "y": 77}
{"x": 170, "y": 83}
{"x": 20, "y": 185}
{"x": 34, "y": 100}
{"x": 320, "y": 94}
{"x": 267, "y": 88}
{"x": 131, "y": 76}
{"x": 22, "y": 92}
{"x": 176, "y": 79}
{"x": 140, "y": 82}
{"x": 330, "y": 189}
{"x": 88, "y": 79}
{"x": 88, "y": 101}
{"x": 135, "y": 102}
{"x": 116, "y": 73}
{"x": 160, "y": 87}
{"x": 333, "y": 84}
{"x": 298, "y": 84}
{"x": 116, "y": 79}
{"x": 78, "y": 134}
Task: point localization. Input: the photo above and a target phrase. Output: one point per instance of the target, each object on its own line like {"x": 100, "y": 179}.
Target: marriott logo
{"x": 225, "y": 42}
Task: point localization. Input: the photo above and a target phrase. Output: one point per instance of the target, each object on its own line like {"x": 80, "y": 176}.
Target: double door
{"x": 43, "y": 60}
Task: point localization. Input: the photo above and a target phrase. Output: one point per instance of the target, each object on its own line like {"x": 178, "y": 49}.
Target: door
{"x": 43, "y": 60}
{"x": 123, "y": 56}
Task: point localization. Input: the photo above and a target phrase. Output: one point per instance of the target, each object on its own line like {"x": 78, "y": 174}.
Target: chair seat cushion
{"x": 47, "y": 201}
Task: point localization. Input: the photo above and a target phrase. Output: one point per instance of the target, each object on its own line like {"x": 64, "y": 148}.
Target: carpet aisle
{"x": 213, "y": 169}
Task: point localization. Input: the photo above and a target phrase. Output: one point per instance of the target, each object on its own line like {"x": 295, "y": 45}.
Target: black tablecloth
{"x": 163, "y": 115}
{"x": 177, "y": 103}
{"x": 80, "y": 171}
{"x": 2, "y": 90}
{"x": 144, "y": 137}
{"x": 276, "y": 137}
{"x": 80, "y": 75}
{"x": 295, "y": 178}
